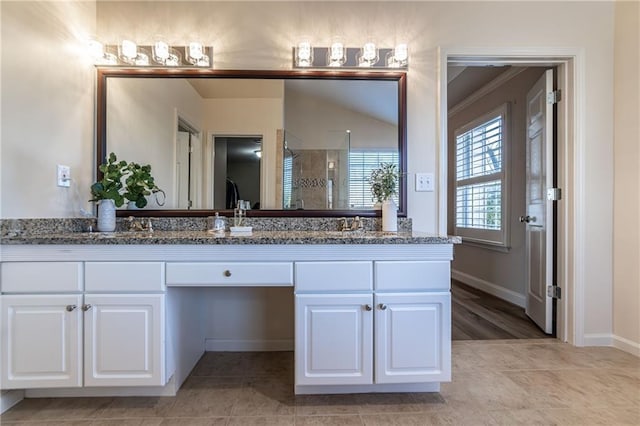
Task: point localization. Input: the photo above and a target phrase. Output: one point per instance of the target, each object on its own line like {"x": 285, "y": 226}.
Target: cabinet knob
{"x": 71, "y": 308}
{"x": 227, "y": 273}
{"x": 367, "y": 307}
{"x": 382, "y": 306}
{"x": 86, "y": 307}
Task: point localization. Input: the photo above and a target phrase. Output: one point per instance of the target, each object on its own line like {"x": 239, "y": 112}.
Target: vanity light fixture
{"x": 336, "y": 55}
{"x": 158, "y": 54}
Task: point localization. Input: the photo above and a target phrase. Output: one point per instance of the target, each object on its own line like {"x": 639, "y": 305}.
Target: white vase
{"x": 389, "y": 216}
{"x": 106, "y": 216}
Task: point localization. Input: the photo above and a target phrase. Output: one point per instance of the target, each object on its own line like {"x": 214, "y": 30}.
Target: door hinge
{"x": 190, "y": 204}
{"x": 554, "y": 291}
{"x": 554, "y": 194}
{"x": 554, "y": 97}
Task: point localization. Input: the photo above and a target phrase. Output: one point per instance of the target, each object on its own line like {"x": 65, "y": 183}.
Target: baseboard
{"x": 598, "y": 339}
{"x": 167, "y": 390}
{"x": 342, "y": 389}
{"x": 626, "y": 345}
{"x": 492, "y": 289}
{"x": 234, "y": 345}
{"x": 9, "y": 398}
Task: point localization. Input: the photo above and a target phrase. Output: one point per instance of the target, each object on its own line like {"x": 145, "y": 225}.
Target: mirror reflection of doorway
{"x": 236, "y": 171}
{"x": 188, "y": 173}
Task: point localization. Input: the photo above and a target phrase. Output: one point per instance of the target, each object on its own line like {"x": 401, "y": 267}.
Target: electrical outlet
{"x": 424, "y": 182}
{"x": 64, "y": 176}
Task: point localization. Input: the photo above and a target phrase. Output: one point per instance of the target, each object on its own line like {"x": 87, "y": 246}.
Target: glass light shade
{"x": 96, "y": 50}
{"x": 401, "y": 52}
{"x": 304, "y": 54}
{"x": 258, "y": 153}
{"x": 196, "y": 54}
{"x": 336, "y": 54}
{"x": 128, "y": 51}
{"x": 368, "y": 55}
{"x": 160, "y": 51}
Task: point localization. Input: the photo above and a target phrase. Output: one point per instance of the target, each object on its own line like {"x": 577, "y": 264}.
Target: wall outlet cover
{"x": 64, "y": 176}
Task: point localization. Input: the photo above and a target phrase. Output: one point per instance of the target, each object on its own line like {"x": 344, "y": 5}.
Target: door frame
{"x": 571, "y": 227}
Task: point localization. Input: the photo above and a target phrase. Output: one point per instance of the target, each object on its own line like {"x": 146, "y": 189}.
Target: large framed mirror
{"x": 286, "y": 143}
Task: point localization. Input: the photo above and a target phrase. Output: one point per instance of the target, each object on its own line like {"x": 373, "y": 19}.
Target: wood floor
{"x": 479, "y": 316}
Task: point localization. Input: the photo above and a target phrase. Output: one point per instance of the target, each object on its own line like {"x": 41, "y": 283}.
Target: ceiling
{"x": 463, "y": 81}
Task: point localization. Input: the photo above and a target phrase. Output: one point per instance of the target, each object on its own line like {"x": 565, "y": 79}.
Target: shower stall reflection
{"x": 318, "y": 177}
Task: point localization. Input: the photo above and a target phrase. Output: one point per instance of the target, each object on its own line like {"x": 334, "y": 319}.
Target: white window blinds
{"x": 361, "y": 164}
{"x": 480, "y": 178}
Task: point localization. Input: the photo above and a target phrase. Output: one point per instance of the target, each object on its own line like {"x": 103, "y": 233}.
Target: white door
{"x": 182, "y": 171}
{"x": 539, "y": 215}
{"x": 334, "y": 339}
{"x": 42, "y": 347}
{"x": 124, "y": 340}
{"x": 413, "y": 337}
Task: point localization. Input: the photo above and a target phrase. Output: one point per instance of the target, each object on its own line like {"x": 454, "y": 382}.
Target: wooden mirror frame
{"x": 101, "y": 129}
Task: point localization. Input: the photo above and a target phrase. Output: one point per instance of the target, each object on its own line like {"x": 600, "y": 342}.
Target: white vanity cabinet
{"x": 388, "y": 327}
{"x": 69, "y": 324}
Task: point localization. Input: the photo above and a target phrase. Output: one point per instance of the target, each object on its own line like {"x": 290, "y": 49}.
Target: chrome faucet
{"x": 135, "y": 225}
{"x": 356, "y": 224}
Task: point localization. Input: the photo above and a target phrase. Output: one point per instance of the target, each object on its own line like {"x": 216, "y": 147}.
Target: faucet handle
{"x": 149, "y": 225}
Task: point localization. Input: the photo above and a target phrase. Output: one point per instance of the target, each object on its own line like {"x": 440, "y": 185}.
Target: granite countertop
{"x": 203, "y": 237}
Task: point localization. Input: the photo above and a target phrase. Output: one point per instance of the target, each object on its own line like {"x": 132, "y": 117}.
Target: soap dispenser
{"x": 218, "y": 223}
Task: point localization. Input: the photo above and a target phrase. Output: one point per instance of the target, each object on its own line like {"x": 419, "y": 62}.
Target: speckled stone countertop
{"x": 193, "y": 231}
{"x": 256, "y": 237}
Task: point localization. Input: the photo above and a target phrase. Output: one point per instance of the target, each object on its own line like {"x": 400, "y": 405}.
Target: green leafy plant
{"x": 384, "y": 181}
{"x": 110, "y": 186}
{"x": 123, "y": 181}
{"x": 139, "y": 184}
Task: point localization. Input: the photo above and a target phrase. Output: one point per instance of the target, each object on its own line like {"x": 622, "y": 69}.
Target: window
{"x": 287, "y": 181}
{"x": 480, "y": 193}
{"x": 361, "y": 164}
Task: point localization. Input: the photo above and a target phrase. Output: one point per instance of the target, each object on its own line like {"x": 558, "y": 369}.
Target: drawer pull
{"x": 71, "y": 308}
{"x": 367, "y": 307}
{"x": 382, "y": 306}
{"x": 227, "y": 273}
{"x": 86, "y": 307}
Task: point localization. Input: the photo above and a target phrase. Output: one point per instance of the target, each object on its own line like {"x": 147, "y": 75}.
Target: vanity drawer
{"x": 334, "y": 276}
{"x": 41, "y": 277}
{"x": 412, "y": 275}
{"x": 124, "y": 276}
{"x": 237, "y": 274}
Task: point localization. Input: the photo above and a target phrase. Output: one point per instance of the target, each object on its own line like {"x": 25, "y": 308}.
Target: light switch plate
{"x": 425, "y": 182}
{"x": 64, "y": 176}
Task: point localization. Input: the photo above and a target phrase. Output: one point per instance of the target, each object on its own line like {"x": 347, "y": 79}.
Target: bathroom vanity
{"x": 121, "y": 314}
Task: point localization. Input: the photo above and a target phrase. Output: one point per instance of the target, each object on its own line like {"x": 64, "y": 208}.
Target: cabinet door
{"x": 41, "y": 341}
{"x": 334, "y": 339}
{"x": 124, "y": 340}
{"x": 413, "y": 337}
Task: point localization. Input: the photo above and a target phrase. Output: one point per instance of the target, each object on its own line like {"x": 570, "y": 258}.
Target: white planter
{"x": 389, "y": 216}
{"x": 106, "y": 216}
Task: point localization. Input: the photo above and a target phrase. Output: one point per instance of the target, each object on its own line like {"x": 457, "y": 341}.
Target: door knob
{"x": 382, "y": 306}
{"x": 71, "y": 308}
{"x": 526, "y": 219}
{"x": 86, "y": 307}
{"x": 227, "y": 273}
{"x": 367, "y": 307}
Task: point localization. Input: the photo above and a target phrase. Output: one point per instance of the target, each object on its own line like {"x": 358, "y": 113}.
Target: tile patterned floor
{"x": 497, "y": 382}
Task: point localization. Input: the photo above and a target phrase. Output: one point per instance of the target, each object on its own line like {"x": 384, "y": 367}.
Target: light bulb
{"x": 129, "y": 49}
{"x": 304, "y": 54}
{"x": 401, "y": 52}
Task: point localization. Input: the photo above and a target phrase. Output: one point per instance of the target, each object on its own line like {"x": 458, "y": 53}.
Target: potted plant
{"x": 121, "y": 181}
{"x": 107, "y": 192}
{"x": 384, "y": 184}
{"x": 139, "y": 184}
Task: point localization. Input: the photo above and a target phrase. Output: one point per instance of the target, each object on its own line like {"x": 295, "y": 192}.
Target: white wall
{"x": 56, "y": 108}
{"x": 47, "y": 108}
{"x": 142, "y": 125}
{"x": 313, "y": 119}
{"x": 250, "y": 117}
{"x": 626, "y": 246}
